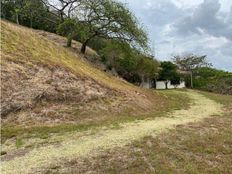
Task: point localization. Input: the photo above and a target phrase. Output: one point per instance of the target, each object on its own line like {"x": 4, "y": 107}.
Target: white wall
{"x": 161, "y": 85}
{"x": 146, "y": 85}
{"x": 181, "y": 85}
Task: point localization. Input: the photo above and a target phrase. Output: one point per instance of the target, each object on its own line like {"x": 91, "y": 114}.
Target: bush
{"x": 213, "y": 80}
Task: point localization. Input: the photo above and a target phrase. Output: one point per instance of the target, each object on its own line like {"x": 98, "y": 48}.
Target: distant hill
{"x": 45, "y": 83}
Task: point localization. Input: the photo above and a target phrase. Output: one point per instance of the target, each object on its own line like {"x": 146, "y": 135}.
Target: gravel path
{"x": 39, "y": 158}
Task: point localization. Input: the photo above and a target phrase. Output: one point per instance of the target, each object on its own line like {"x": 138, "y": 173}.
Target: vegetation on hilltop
{"x": 110, "y": 28}
{"x": 199, "y": 74}
{"x": 169, "y": 72}
{"x": 213, "y": 80}
{"x": 103, "y": 22}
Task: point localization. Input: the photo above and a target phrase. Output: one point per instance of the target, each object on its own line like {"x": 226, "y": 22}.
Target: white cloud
{"x": 215, "y": 42}
{"x": 196, "y": 26}
{"x": 186, "y": 4}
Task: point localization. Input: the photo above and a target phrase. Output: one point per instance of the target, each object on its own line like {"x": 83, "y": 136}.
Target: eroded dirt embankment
{"x": 24, "y": 85}
{"x": 38, "y": 94}
{"x": 40, "y": 158}
{"x": 44, "y": 83}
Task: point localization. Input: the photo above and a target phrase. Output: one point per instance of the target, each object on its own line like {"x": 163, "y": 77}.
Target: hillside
{"x": 46, "y": 83}
{"x": 83, "y": 89}
{"x": 61, "y": 114}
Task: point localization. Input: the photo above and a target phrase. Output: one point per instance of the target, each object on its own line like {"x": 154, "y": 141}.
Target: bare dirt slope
{"x": 39, "y": 158}
{"x": 44, "y": 83}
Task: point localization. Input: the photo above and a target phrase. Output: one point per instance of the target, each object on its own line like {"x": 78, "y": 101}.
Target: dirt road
{"x": 43, "y": 157}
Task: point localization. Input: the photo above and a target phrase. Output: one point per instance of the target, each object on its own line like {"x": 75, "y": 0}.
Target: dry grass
{"x": 106, "y": 138}
{"x": 27, "y": 49}
{"x": 26, "y": 52}
{"x": 195, "y": 148}
{"x": 176, "y": 100}
{"x": 20, "y": 44}
{"x": 59, "y": 40}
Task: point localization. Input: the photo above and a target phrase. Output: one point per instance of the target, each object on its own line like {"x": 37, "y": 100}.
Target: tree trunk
{"x": 3, "y": 15}
{"x": 31, "y": 21}
{"x": 142, "y": 78}
{"x": 83, "y": 47}
{"x": 142, "y": 84}
{"x": 191, "y": 77}
{"x": 17, "y": 18}
{"x": 166, "y": 84}
{"x": 61, "y": 16}
{"x": 69, "y": 41}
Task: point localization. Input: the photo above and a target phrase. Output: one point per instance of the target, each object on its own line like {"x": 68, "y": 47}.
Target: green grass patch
{"x": 223, "y": 99}
{"x": 18, "y": 143}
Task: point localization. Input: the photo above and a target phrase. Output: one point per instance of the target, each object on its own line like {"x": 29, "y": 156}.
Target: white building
{"x": 146, "y": 84}
{"x": 162, "y": 85}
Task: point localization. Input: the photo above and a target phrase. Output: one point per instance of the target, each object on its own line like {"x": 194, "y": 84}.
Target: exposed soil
{"x": 44, "y": 83}
{"x": 39, "y": 94}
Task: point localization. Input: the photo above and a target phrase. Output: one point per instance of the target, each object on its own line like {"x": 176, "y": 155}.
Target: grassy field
{"x": 176, "y": 100}
{"x": 59, "y": 150}
{"x": 201, "y": 147}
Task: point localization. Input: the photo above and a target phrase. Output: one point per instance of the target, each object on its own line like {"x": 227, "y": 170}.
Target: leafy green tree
{"x": 147, "y": 67}
{"x": 68, "y": 28}
{"x": 190, "y": 62}
{"x": 110, "y": 20}
{"x": 213, "y": 80}
{"x": 6, "y": 9}
{"x": 169, "y": 73}
{"x": 12, "y": 9}
{"x": 128, "y": 62}
{"x": 31, "y": 13}
{"x": 119, "y": 56}
{"x": 99, "y": 43}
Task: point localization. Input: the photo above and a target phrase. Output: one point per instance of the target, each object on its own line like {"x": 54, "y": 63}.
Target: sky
{"x": 201, "y": 27}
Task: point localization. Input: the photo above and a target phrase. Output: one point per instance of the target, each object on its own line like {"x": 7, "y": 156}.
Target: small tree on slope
{"x": 110, "y": 20}
{"x": 190, "y": 62}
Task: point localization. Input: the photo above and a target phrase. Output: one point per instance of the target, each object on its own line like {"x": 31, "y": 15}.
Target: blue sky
{"x": 201, "y": 27}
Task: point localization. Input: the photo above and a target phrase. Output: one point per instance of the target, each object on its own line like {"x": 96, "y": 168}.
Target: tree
{"x": 31, "y": 13}
{"x": 133, "y": 66}
{"x": 16, "y": 10}
{"x": 190, "y": 62}
{"x": 6, "y": 9}
{"x": 119, "y": 55}
{"x": 169, "y": 73}
{"x": 213, "y": 80}
{"x": 147, "y": 67}
{"x": 68, "y": 28}
{"x": 110, "y": 20}
{"x": 64, "y": 8}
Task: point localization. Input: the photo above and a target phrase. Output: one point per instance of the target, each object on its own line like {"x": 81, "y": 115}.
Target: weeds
{"x": 18, "y": 142}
